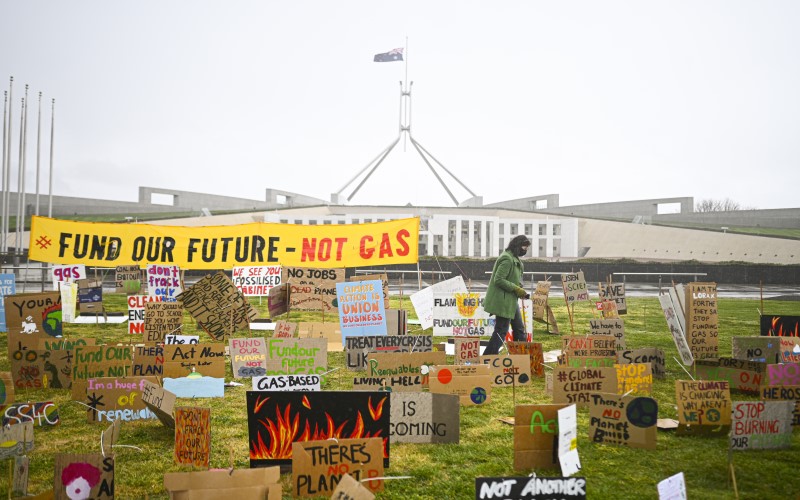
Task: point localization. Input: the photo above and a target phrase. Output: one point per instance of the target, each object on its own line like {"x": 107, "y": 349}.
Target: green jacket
{"x": 506, "y": 277}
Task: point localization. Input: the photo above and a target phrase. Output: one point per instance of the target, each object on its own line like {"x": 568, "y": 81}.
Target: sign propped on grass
{"x": 471, "y": 383}
{"x": 535, "y": 428}
{"x": 458, "y": 314}
{"x": 530, "y": 488}
{"x": 241, "y": 484}
{"x": 219, "y": 307}
{"x": 623, "y": 420}
{"x": 702, "y": 320}
{"x": 192, "y": 436}
{"x": 160, "y": 402}
{"x": 30, "y": 317}
{"x": 359, "y": 347}
{"x": 136, "y": 312}
{"x": 350, "y": 489}
{"x": 576, "y": 385}
{"x": 780, "y": 326}
{"x": 509, "y": 370}
{"x": 127, "y": 279}
{"x": 763, "y": 349}
{"x": 317, "y": 466}
{"x": 703, "y": 403}
{"x": 673, "y": 314}
{"x": 361, "y": 309}
{"x": 614, "y": 327}
{"x": 295, "y": 356}
{"x": 205, "y": 359}
{"x": 616, "y": 293}
{"x": 312, "y": 289}
{"x": 743, "y": 376}
{"x": 652, "y": 355}
{"x": 424, "y": 417}
{"x": 402, "y": 371}
{"x": 467, "y": 350}
{"x": 760, "y": 425}
{"x": 76, "y": 473}
{"x": 248, "y": 357}
{"x": 534, "y": 352}
{"x": 161, "y": 319}
{"x": 423, "y": 299}
{"x": 634, "y": 378}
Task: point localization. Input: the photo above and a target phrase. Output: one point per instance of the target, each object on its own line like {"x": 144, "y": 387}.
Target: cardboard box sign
{"x": 471, "y": 383}
{"x": 31, "y": 316}
{"x": 43, "y": 413}
{"x": 780, "y": 326}
{"x": 16, "y": 440}
{"x": 468, "y": 350}
{"x": 161, "y": 319}
{"x": 205, "y": 359}
{"x": 109, "y": 437}
{"x": 575, "y": 289}
{"x": 535, "y": 428}
{"x": 402, "y": 371}
{"x": 764, "y": 349}
{"x": 508, "y": 370}
{"x": 539, "y": 298}
{"x": 533, "y": 488}
{"x": 534, "y": 352}
{"x": 330, "y": 332}
{"x": 275, "y": 420}
{"x": 63, "y": 344}
{"x": 239, "y": 484}
{"x": 424, "y": 417}
{"x": 248, "y": 357}
{"x": 192, "y": 436}
{"x": 396, "y": 322}
{"x": 159, "y": 401}
{"x": 74, "y": 472}
{"x": 350, "y": 489}
{"x": 39, "y": 368}
{"x": 615, "y": 292}
{"x": 90, "y": 296}
{"x": 783, "y": 375}
{"x": 114, "y": 398}
{"x": 317, "y": 466}
{"x": 278, "y": 300}
{"x": 218, "y": 306}
{"x": 312, "y": 289}
{"x": 136, "y": 312}
{"x": 613, "y": 327}
{"x": 164, "y": 281}
{"x": 296, "y": 356}
{"x": 576, "y": 385}
{"x": 652, "y": 355}
{"x": 634, "y": 378}
{"x": 761, "y": 425}
{"x": 703, "y": 402}
{"x": 148, "y": 360}
{"x": 6, "y": 388}
{"x": 284, "y": 329}
{"x": 98, "y": 361}
{"x": 743, "y": 376}
{"x": 592, "y": 346}
{"x": 702, "y": 320}
{"x": 127, "y": 279}
{"x": 358, "y": 347}
{"x": 623, "y": 420}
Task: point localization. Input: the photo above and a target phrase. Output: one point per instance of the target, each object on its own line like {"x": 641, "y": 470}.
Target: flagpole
{"x": 38, "y": 150}
{"x": 19, "y": 179}
{"x": 7, "y": 160}
{"x": 52, "y": 131}
{"x": 4, "y": 215}
{"x": 403, "y": 99}
{"x": 24, "y": 133}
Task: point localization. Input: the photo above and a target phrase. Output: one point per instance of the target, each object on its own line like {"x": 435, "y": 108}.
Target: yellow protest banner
{"x": 222, "y": 247}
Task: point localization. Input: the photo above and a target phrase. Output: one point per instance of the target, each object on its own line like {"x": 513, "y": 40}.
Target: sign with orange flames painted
{"x": 192, "y": 436}
{"x": 780, "y": 326}
{"x": 276, "y": 420}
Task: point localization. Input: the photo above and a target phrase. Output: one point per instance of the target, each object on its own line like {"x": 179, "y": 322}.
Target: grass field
{"x": 485, "y": 449}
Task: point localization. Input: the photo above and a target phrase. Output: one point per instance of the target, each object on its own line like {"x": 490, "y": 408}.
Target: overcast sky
{"x": 595, "y": 100}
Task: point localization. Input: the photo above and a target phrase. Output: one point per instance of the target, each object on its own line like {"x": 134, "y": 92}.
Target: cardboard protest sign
{"x": 148, "y": 360}
{"x": 358, "y": 347}
{"x": 782, "y": 383}
{"x": 218, "y": 306}
{"x": 331, "y": 333}
{"x": 531, "y": 488}
{"x": 350, "y": 489}
{"x": 90, "y": 296}
{"x": 60, "y": 273}
{"x": 39, "y": 368}
{"x": 181, "y": 339}
{"x": 19, "y": 484}
{"x": 467, "y": 350}
{"x": 471, "y": 383}
{"x": 424, "y": 417}
{"x": 277, "y": 419}
{"x": 743, "y": 376}
{"x": 614, "y": 327}
{"x": 255, "y": 281}
{"x": 287, "y": 383}
{"x": 296, "y": 356}
{"x": 69, "y": 302}
{"x": 508, "y": 370}
{"x": 127, "y": 279}
{"x": 16, "y": 439}
{"x": 402, "y": 371}
{"x": 634, "y": 378}
{"x": 116, "y": 398}
{"x": 63, "y": 344}
{"x": 278, "y": 300}
{"x": 76, "y": 473}
{"x": 535, "y": 428}
{"x": 703, "y": 402}
{"x": 608, "y": 309}
{"x": 588, "y": 351}
{"x": 623, "y": 420}
{"x": 652, "y": 355}
{"x": 616, "y": 293}
{"x": 241, "y": 484}
{"x": 248, "y": 357}
{"x": 761, "y": 425}
{"x": 702, "y": 320}
{"x": 195, "y": 386}
{"x": 31, "y": 316}
{"x": 164, "y": 281}
{"x": 160, "y": 402}
{"x": 576, "y": 385}
{"x": 423, "y": 299}
{"x": 361, "y": 310}
{"x": 672, "y": 488}
{"x": 6, "y": 388}
{"x": 42, "y": 414}
{"x": 674, "y": 321}
{"x": 161, "y": 319}
{"x": 284, "y": 329}
{"x": 110, "y": 436}
{"x": 312, "y": 289}
{"x": 8, "y": 286}
{"x": 568, "y": 456}
{"x": 575, "y": 289}
{"x": 396, "y": 322}
{"x": 459, "y": 314}
{"x": 789, "y": 349}
{"x": 206, "y": 359}
{"x": 764, "y": 349}
{"x": 317, "y": 466}
{"x": 136, "y": 312}
{"x": 98, "y": 361}
{"x": 382, "y": 277}
{"x": 780, "y": 326}
{"x": 540, "y": 300}
{"x": 192, "y": 436}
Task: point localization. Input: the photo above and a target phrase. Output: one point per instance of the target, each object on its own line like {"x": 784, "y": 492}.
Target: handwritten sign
{"x": 509, "y": 370}
{"x": 160, "y": 402}
{"x": 763, "y": 349}
{"x": 161, "y": 319}
{"x": 317, "y": 466}
{"x": 74, "y": 473}
{"x": 31, "y": 316}
{"x": 467, "y": 350}
{"x": 255, "y": 281}
{"x": 402, "y": 372}
{"x": 702, "y": 320}
{"x": 743, "y": 376}
{"x": 136, "y": 312}
{"x": 206, "y": 359}
{"x": 296, "y": 356}
{"x": 148, "y": 360}
{"x": 192, "y": 436}
{"x": 535, "y": 428}
{"x": 98, "y": 361}
{"x": 8, "y": 286}
{"x": 114, "y": 398}
{"x": 613, "y": 327}
{"x": 424, "y": 417}
{"x": 575, "y": 289}
{"x": 674, "y": 324}
{"x": 615, "y": 292}
{"x": 471, "y": 383}
{"x": 284, "y": 329}
{"x": 312, "y": 289}
{"x": 287, "y": 383}
{"x": 634, "y": 378}
{"x": 278, "y": 300}
{"x": 358, "y": 347}
{"x": 423, "y": 299}
{"x": 127, "y": 279}
{"x": 42, "y": 413}
{"x": 218, "y": 306}
{"x": 782, "y": 383}
{"x": 457, "y": 314}
{"x": 780, "y": 326}
{"x": 540, "y": 300}
{"x": 163, "y": 281}
{"x": 652, "y": 355}
{"x": 361, "y": 310}
{"x": 760, "y": 425}
{"x": 382, "y": 277}
{"x": 248, "y": 357}
{"x": 703, "y": 402}
{"x": 530, "y": 488}
{"x": 623, "y": 420}
{"x": 576, "y": 385}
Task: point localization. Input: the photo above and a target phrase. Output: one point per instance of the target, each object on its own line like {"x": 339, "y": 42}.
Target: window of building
{"x": 298, "y": 221}
{"x": 284, "y": 221}
{"x": 464, "y": 238}
{"x": 326, "y": 222}
{"x": 528, "y": 230}
{"x": 556, "y": 229}
{"x": 514, "y": 228}
{"x": 451, "y": 238}
{"x": 542, "y": 229}
{"x": 312, "y": 223}
{"x": 476, "y": 238}
{"x": 489, "y": 237}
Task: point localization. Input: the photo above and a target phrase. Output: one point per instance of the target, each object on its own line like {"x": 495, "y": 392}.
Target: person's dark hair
{"x": 518, "y": 242}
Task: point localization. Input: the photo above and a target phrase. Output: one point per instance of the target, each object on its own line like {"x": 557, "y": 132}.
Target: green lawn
{"x": 449, "y": 470}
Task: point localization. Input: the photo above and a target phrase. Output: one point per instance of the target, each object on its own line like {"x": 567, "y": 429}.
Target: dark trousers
{"x": 500, "y": 330}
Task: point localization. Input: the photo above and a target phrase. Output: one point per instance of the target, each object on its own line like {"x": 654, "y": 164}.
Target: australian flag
{"x": 392, "y": 55}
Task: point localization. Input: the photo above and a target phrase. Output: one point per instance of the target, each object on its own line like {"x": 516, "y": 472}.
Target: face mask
{"x": 522, "y": 251}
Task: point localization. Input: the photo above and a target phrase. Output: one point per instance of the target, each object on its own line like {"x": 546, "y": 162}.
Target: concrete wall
{"x": 627, "y": 210}
{"x": 788, "y": 218}
{"x": 528, "y": 204}
{"x": 189, "y": 201}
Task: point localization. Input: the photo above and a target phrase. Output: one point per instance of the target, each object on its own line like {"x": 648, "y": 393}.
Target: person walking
{"x": 505, "y": 287}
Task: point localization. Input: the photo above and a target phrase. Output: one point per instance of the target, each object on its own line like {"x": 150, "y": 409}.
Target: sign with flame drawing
{"x": 780, "y": 326}
{"x": 275, "y": 420}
